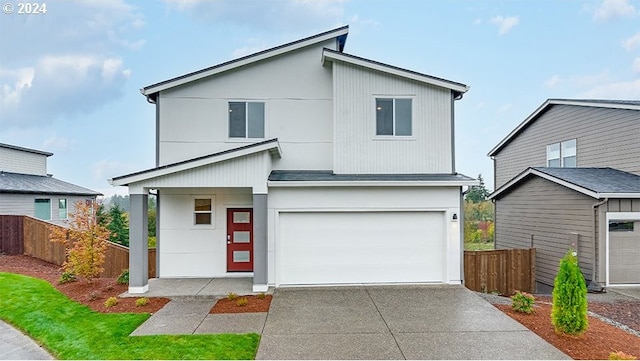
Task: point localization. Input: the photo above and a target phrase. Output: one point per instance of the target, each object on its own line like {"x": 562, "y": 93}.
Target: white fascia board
{"x": 595, "y": 104}
{"x": 618, "y": 195}
{"x": 194, "y": 164}
{"x": 329, "y": 56}
{"x": 243, "y": 62}
{"x": 372, "y": 183}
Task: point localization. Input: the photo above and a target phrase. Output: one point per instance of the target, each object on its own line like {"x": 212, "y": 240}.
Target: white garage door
{"x": 361, "y": 247}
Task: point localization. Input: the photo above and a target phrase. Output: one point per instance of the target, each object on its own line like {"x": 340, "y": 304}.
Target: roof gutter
{"x": 593, "y": 286}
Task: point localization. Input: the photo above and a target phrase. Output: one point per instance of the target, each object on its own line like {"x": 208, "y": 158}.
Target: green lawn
{"x": 468, "y": 246}
{"x": 70, "y": 330}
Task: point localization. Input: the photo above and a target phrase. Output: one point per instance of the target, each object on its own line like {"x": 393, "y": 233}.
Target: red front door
{"x": 239, "y": 240}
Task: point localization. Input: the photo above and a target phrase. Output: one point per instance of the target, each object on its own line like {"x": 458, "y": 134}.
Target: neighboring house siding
{"x": 605, "y": 138}
{"x": 358, "y": 150}
{"x": 18, "y": 161}
{"x": 23, "y": 204}
{"x": 297, "y": 93}
{"x": 549, "y": 213}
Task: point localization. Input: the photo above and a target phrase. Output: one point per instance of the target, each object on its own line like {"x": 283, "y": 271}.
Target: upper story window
{"x": 246, "y": 120}
{"x": 393, "y": 116}
{"x": 562, "y": 154}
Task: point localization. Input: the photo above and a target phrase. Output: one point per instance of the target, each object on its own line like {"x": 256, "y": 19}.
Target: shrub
{"x": 143, "y": 301}
{"x": 242, "y": 301}
{"x": 94, "y": 295}
{"x": 123, "y": 279}
{"x": 110, "y": 302}
{"x": 522, "y": 302}
{"x": 621, "y": 356}
{"x": 66, "y": 277}
{"x": 232, "y": 296}
{"x": 261, "y": 295}
{"x": 569, "y": 310}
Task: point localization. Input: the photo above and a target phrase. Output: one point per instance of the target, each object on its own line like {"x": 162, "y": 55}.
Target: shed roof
{"x": 595, "y": 182}
{"x": 15, "y": 147}
{"x": 596, "y": 103}
{"x": 37, "y": 184}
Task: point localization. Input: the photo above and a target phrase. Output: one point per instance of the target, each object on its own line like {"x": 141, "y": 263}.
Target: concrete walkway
{"x": 196, "y": 287}
{"x": 14, "y": 345}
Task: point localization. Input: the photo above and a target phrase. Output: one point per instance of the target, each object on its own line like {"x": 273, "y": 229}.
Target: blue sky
{"x": 70, "y": 78}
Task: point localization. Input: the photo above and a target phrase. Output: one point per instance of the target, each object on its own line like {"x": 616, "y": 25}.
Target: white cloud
{"x": 613, "y": 9}
{"x": 253, "y": 46}
{"x": 505, "y": 108}
{"x": 505, "y": 24}
{"x": 631, "y": 43}
{"x": 106, "y": 169}
{"x": 477, "y": 21}
{"x": 56, "y": 142}
{"x": 553, "y": 81}
{"x": 13, "y": 83}
{"x": 636, "y": 66}
{"x": 614, "y": 90}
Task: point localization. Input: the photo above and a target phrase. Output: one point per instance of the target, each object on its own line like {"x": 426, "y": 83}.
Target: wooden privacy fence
{"x": 30, "y": 236}
{"x": 504, "y": 270}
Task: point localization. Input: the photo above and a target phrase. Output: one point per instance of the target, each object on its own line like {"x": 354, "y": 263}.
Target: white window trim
{"x": 194, "y": 212}
{"x": 616, "y": 216}
{"x": 560, "y": 155}
{"x": 393, "y": 137}
{"x": 66, "y": 210}
{"x": 246, "y": 139}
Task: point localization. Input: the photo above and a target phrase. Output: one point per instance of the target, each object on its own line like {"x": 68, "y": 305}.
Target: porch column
{"x": 138, "y": 241}
{"x": 260, "y": 243}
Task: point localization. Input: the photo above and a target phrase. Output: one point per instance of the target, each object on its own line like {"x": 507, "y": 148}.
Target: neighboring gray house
{"x": 27, "y": 189}
{"x": 569, "y": 177}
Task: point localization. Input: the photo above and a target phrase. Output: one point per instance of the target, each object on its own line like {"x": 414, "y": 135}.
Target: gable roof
{"x": 596, "y": 103}
{"x": 37, "y": 184}
{"x": 594, "y": 182}
{"x": 329, "y": 55}
{"x": 15, "y": 147}
{"x": 340, "y": 34}
{"x": 270, "y": 145}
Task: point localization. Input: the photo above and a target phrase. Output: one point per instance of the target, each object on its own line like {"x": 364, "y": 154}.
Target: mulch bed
{"x": 92, "y": 294}
{"x": 254, "y": 304}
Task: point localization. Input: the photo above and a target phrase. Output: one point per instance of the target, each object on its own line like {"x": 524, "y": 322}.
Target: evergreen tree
{"x": 478, "y": 193}
{"x": 569, "y": 310}
{"x": 118, "y": 226}
{"x": 101, "y": 216}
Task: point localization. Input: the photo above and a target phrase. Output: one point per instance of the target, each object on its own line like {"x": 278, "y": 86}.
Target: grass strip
{"x": 70, "y": 330}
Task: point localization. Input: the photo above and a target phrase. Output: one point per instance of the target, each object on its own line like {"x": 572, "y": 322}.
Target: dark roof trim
{"x": 596, "y": 103}
{"x": 327, "y": 177}
{"x": 458, "y": 88}
{"x": 55, "y": 193}
{"x": 35, "y": 151}
{"x": 341, "y": 38}
{"x": 273, "y": 141}
{"x": 19, "y": 183}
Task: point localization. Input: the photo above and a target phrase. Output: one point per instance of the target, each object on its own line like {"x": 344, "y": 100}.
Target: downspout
{"x": 593, "y": 286}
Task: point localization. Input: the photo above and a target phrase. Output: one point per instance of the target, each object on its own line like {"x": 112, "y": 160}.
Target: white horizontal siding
{"x": 359, "y": 151}
{"x": 17, "y": 161}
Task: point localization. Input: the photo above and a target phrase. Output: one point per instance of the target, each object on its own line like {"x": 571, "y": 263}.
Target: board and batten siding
{"x": 297, "y": 93}
{"x": 612, "y": 205}
{"x": 550, "y": 213}
{"x": 605, "y": 138}
{"x": 357, "y": 148}
{"x": 24, "y": 204}
{"x": 19, "y": 161}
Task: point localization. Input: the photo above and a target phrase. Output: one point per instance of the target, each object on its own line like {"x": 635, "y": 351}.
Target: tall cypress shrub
{"x": 569, "y": 311}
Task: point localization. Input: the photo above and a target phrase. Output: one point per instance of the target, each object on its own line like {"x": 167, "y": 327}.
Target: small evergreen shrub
{"x": 621, "y": 356}
{"x": 232, "y": 296}
{"x": 522, "y": 302}
{"x": 143, "y": 301}
{"x": 261, "y": 295}
{"x": 123, "y": 279}
{"x": 569, "y": 310}
{"x": 242, "y": 301}
{"x": 110, "y": 302}
{"x": 67, "y": 277}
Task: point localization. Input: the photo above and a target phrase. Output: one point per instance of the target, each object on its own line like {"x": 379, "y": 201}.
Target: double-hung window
{"x": 393, "y": 116}
{"x": 202, "y": 211}
{"x": 562, "y": 154}
{"x": 246, "y": 120}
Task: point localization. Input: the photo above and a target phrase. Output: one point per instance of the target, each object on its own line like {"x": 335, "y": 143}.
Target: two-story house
{"x": 27, "y": 189}
{"x": 569, "y": 177}
{"x": 302, "y": 165}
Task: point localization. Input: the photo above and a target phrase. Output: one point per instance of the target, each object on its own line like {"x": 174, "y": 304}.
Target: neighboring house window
{"x": 562, "y": 154}
{"x": 202, "y": 211}
{"x": 621, "y": 226}
{"x": 393, "y": 116}
{"x": 62, "y": 208}
{"x": 43, "y": 209}
{"x": 246, "y": 120}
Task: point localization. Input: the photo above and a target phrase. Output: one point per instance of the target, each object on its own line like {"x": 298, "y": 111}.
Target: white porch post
{"x": 138, "y": 241}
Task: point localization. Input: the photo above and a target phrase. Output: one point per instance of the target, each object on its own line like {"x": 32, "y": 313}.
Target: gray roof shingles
{"x": 599, "y": 180}
{"x": 329, "y": 176}
{"x": 28, "y": 183}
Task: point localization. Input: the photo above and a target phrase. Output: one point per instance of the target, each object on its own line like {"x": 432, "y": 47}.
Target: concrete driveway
{"x": 394, "y": 322}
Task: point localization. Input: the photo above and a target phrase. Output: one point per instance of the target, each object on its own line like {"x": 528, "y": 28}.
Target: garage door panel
{"x": 361, "y": 247}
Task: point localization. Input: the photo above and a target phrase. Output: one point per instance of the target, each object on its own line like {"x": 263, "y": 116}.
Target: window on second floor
{"x": 246, "y": 120}
{"x": 562, "y": 154}
{"x": 393, "y": 116}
